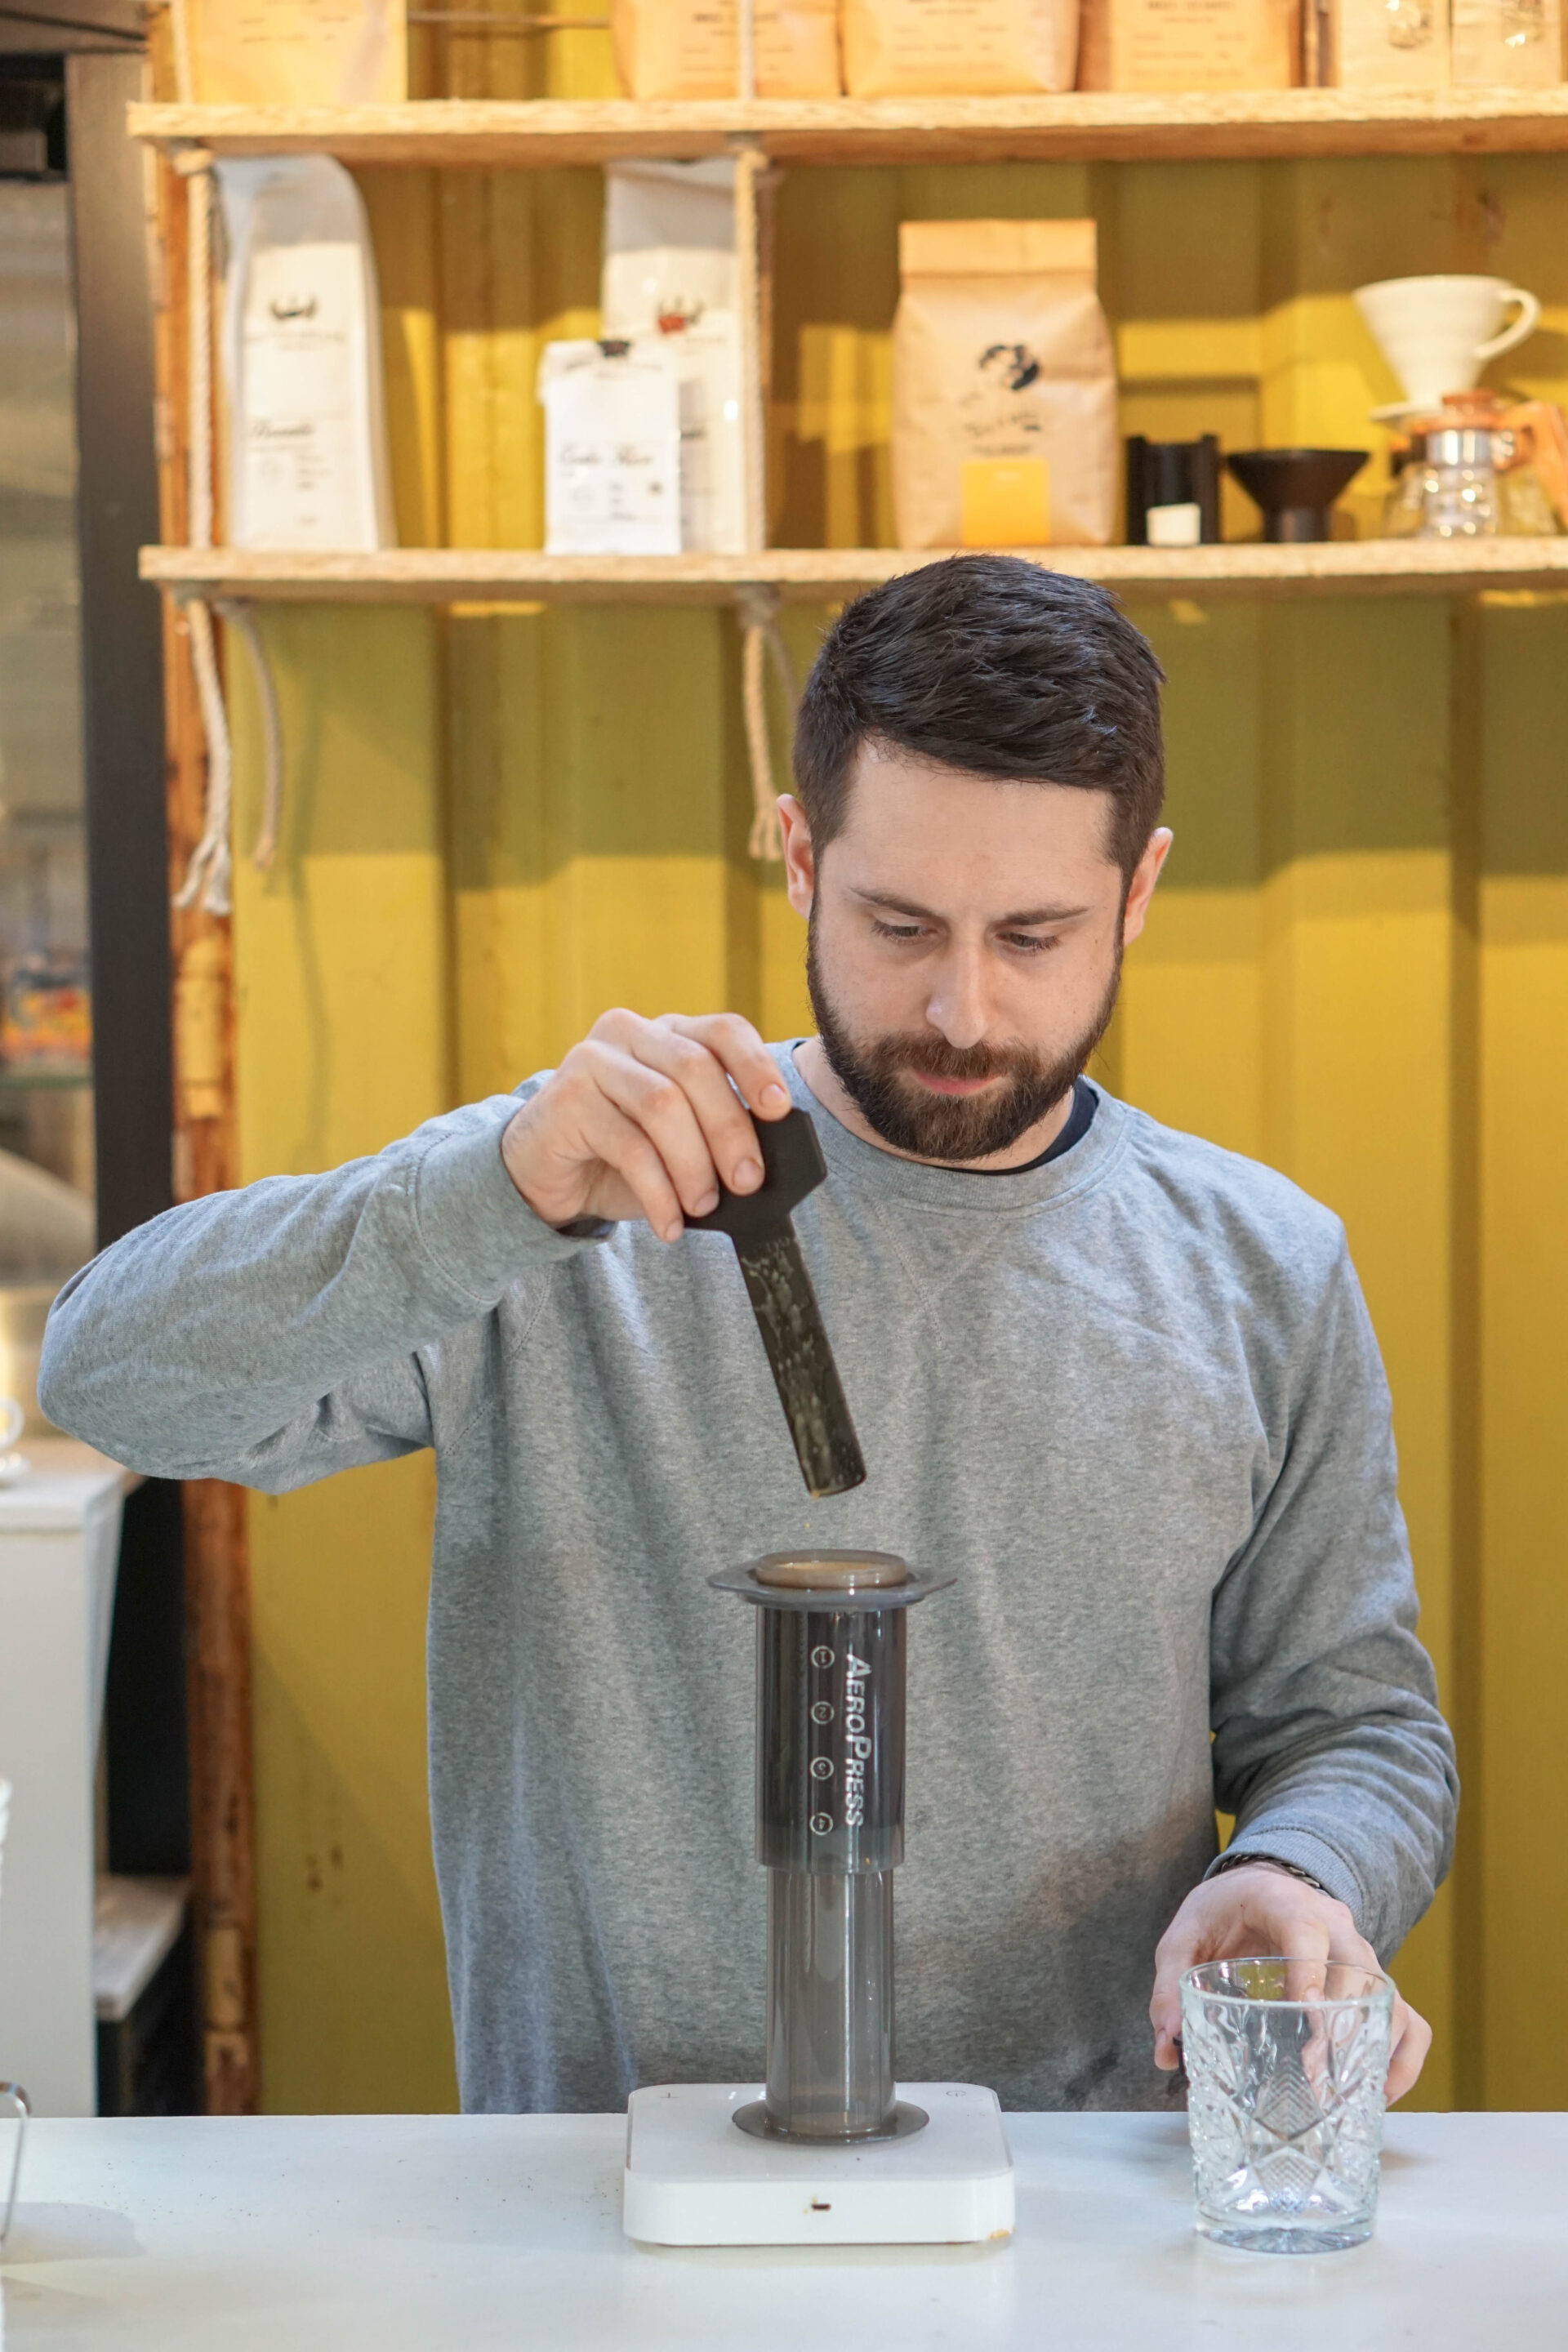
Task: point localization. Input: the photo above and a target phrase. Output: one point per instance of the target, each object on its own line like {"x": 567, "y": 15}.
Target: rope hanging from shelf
{"x": 210, "y": 874}
{"x": 746, "y": 50}
{"x": 758, "y": 606}
{"x": 760, "y": 637}
{"x": 242, "y": 617}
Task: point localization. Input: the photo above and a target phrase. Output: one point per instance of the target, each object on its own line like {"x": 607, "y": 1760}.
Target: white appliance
{"x": 60, "y": 1550}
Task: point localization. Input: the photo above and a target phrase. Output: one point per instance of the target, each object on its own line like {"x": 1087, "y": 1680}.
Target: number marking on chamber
{"x": 822, "y": 1767}
{"x": 820, "y": 1824}
{"x": 821, "y": 1711}
{"x": 822, "y": 1655}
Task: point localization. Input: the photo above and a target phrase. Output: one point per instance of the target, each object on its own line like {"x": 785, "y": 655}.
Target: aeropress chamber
{"x": 831, "y": 1677}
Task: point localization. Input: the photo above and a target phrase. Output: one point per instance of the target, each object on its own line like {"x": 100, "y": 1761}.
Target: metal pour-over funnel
{"x": 831, "y": 1676}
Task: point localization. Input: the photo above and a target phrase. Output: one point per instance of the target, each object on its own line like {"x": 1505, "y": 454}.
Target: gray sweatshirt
{"x": 1129, "y": 1400}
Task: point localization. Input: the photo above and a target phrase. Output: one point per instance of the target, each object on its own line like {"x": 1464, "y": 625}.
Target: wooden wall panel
{"x": 1355, "y": 969}
{"x": 1523, "y": 1383}
{"x": 343, "y": 988}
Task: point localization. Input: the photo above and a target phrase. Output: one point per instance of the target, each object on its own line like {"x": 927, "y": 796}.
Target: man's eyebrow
{"x": 1029, "y": 920}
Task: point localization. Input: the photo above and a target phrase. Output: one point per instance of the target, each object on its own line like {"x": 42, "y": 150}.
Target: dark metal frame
{"x": 123, "y": 653}
{"x": 51, "y": 28}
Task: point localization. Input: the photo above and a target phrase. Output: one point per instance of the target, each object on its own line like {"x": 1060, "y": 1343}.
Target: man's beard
{"x": 879, "y": 1078}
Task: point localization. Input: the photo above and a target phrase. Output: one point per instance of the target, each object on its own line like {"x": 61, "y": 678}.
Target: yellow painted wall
{"x": 1358, "y": 968}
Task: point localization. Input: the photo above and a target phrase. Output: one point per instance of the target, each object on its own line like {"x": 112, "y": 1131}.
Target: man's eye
{"x": 898, "y": 930}
{"x": 1030, "y": 942}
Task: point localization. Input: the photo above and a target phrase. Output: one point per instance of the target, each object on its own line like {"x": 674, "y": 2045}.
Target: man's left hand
{"x": 1250, "y": 1912}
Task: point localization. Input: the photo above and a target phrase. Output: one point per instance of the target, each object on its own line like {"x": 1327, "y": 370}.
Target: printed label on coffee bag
{"x": 1005, "y": 502}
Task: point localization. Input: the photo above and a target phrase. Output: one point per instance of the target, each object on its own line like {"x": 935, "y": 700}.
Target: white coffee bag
{"x": 612, "y": 449}
{"x": 302, "y": 359}
{"x": 669, "y": 273}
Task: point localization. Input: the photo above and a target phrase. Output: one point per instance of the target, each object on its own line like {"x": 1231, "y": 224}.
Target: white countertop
{"x": 449, "y": 2233}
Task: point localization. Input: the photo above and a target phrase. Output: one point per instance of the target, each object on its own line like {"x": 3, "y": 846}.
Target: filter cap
{"x": 831, "y": 1572}
{"x": 828, "y": 1581}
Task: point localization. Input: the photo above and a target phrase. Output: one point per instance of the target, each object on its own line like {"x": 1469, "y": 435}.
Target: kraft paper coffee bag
{"x": 292, "y": 52}
{"x": 689, "y": 48}
{"x": 967, "y": 47}
{"x": 1502, "y": 47}
{"x": 1377, "y": 44}
{"x": 1188, "y": 45}
{"x": 1004, "y": 431}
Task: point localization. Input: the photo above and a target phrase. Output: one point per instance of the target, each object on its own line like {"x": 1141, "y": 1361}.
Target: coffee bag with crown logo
{"x": 1004, "y": 430}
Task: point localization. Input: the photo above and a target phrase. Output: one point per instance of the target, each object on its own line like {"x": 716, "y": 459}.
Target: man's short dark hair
{"x": 993, "y": 664}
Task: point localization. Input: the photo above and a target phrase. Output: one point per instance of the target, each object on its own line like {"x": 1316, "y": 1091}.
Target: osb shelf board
{"x": 1082, "y": 125}
{"x": 415, "y": 575}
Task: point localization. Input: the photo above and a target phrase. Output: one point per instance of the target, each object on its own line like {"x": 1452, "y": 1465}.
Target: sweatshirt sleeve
{"x": 270, "y": 1336}
{"x": 1329, "y": 1746}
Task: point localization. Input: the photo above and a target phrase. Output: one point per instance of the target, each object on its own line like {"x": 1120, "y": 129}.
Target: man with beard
{"x": 1118, "y": 1381}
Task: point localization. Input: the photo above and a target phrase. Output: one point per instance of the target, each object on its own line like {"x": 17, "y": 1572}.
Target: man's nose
{"x": 959, "y": 1005}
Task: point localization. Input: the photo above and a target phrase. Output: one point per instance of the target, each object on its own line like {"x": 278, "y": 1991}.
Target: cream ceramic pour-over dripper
{"x": 1438, "y": 333}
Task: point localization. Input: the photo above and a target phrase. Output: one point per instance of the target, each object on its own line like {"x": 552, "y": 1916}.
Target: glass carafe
{"x": 1447, "y": 487}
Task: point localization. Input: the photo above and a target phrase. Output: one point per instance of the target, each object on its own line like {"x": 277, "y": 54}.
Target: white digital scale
{"x": 694, "y": 2179}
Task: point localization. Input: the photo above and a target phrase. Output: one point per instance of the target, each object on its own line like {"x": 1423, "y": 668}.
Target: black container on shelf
{"x": 1173, "y": 492}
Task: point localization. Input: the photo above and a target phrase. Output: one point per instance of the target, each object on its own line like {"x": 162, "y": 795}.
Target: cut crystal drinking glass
{"x": 1286, "y": 2063}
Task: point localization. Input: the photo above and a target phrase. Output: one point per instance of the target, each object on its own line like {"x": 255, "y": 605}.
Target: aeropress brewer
{"x": 831, "y": 1631}
{"x": 826, "y": 2151}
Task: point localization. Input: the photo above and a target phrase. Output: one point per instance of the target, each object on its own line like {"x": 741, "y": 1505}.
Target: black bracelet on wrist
{"x": 1238, "y": 1860}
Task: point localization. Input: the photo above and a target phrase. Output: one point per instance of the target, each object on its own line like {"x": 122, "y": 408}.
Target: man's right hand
{"x": 644, "y": 1118}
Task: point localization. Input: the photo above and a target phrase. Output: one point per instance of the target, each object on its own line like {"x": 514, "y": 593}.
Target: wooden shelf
{"x": 423, "y": 575}
{"x": 1293, "y": 123}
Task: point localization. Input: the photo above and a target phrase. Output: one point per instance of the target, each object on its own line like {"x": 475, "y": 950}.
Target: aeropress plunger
{"x": 828, "y": 2154}
{"x": 831, "y": 1668}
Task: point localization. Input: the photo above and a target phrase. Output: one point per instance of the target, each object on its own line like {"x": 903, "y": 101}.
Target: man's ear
{"x": 1140, "y": 889}
{"x": 800, "y": 860}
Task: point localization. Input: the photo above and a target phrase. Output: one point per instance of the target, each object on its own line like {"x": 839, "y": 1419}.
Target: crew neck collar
{"x": 921, "y": 1186}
